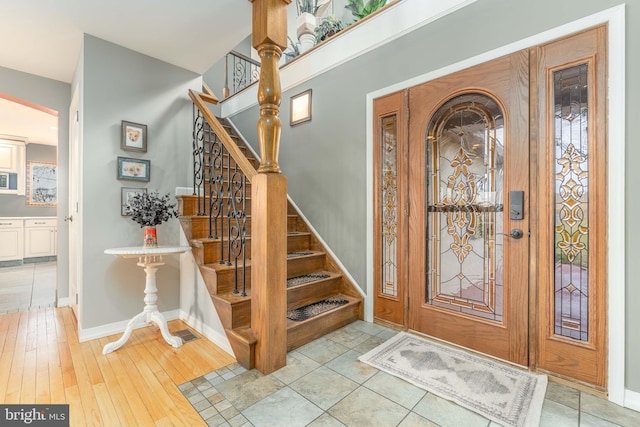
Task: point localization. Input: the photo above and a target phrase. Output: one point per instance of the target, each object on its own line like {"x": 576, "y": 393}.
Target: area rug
{"x": 506, "y": 395}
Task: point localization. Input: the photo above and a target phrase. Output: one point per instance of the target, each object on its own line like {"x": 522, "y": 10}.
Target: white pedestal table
{"x": 149, "y": 259}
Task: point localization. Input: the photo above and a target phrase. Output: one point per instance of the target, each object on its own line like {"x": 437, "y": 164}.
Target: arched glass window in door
{"x": 465, "y": 206}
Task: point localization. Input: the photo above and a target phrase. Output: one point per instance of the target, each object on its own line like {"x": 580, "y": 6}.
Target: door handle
{"x": 68, "y": 218}
{"x": 516, "y": 233}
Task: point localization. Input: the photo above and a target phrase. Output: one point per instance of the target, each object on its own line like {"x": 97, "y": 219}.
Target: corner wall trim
{"x": 211, "y": 334}
{"x": 632, "y": 400}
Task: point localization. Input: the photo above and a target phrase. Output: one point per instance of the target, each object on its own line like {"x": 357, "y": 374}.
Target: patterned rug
{"x": 507, "y": 395}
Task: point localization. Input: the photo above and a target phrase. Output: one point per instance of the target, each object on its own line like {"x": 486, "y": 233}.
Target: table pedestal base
{"x": 150, "y": 313}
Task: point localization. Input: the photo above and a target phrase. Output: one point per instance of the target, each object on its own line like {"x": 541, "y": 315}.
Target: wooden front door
{"x": 469, "y": 179}
{"x": 490, "y": 208}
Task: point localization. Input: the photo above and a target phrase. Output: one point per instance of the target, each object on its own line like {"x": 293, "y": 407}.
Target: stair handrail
{"x": 238, "y": 156}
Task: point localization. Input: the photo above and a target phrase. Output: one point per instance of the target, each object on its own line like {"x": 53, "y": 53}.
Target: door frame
{"x": 616, "y": 279}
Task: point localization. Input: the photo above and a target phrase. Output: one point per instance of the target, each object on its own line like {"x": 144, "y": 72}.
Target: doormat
{"x": 311, "y": 310}
{"x": 504, "y": 394}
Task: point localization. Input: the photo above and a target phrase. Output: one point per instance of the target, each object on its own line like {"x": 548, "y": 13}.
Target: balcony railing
{"x": 243, "y": 71}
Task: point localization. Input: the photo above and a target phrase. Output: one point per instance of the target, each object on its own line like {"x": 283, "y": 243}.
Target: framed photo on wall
{"x": 127, "y": 193}
{"x": 133, "y": 137}
{"x": 134, "y": 169}
{"x": 42, "y": 184}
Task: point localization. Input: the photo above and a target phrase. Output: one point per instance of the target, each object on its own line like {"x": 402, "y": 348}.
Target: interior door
{"x": 74, "y": 191}
{"x": 468, "y": 208}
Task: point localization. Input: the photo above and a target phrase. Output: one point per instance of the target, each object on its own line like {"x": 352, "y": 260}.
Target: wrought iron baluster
{"x": 229, "y": 207}
{"x": 215, "y": 201}
{"x": 198, "y": 158}
{"x": 238, "y": 227}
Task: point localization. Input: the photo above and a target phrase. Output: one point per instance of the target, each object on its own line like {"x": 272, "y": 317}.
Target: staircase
{"x": 312, "y": 274}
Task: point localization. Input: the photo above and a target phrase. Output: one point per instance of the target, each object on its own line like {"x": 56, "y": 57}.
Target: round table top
{"x": 135, "y": 251}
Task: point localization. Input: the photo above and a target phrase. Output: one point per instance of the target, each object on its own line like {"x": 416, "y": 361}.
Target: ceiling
{"x": 44, "y": 38}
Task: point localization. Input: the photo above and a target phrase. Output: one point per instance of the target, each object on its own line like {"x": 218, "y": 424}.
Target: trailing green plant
{"x": 360, "y": 10}
{"x": 292, "y": 50}
{"x": 328, "y": 27}
{"x": 149, "y": 209}
{"x": 307, "y": 6}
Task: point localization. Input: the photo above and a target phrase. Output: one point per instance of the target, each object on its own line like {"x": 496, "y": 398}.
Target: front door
{"x": 490, "y": 208}
{"x": 468, "y": 216}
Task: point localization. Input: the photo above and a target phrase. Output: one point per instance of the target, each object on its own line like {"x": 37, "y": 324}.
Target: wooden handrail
{"x": 238, "y": 156}
{"x": 208, "y": 94}
{"x": 245, "y": 57}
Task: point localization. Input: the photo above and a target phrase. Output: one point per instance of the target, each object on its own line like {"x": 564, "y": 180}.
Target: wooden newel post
{"x": 269, "y": 196}
{"x": 269, "y": 38}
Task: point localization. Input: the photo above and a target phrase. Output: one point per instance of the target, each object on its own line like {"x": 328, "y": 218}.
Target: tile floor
{"x": 27, "y": 286}
{"x": 324, "y": 384}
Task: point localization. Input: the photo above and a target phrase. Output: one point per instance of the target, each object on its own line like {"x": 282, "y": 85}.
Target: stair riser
{"x": 238, "y": 314}
{"x": 213, "y": 250}
{"x": 188, "y": 205}
{"x": 199, "y": 226}
{"x": 235, "y": 315}
{"x": 301, "y": 333}
{"x": 302, "y": 295}
{"x": 295, "y": 267}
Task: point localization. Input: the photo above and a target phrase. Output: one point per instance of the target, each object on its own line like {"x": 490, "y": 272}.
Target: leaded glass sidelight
{"x": 389, "y": 208}
{"x": 465, "y": 207}
{"x": 571, "y": 182}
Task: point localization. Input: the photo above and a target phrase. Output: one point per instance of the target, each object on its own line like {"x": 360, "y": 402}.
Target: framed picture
{"x": 42, "y": 184}
{"x": 300, "y": 108}
{"x": 134, "y": 169}
{"x": 134, "y": 137}
{"x": 126, "y": 194}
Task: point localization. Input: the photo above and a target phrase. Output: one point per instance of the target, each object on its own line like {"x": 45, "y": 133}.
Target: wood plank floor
{"x": 41, "y": 361}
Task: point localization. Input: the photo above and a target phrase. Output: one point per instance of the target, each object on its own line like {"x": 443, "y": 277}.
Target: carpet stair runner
{"x": 320, "y": 299}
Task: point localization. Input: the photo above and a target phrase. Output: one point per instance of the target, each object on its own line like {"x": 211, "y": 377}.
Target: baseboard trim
{"x": 211, "y": 334}
{"x": 117, "y": 327}
{"x": 632, "y": 400}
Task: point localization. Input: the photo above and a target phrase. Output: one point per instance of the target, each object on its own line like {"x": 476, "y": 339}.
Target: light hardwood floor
{"x": 41, "y": 361}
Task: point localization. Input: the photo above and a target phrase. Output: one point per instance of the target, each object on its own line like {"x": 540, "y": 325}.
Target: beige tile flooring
{"x": 324, "y": 384}
{"x": 27, "y": 286}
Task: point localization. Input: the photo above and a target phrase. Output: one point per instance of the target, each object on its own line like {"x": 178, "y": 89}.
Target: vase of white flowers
{"x": 150, "y": 210}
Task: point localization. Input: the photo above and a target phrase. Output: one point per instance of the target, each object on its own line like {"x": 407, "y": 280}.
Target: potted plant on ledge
{"x": 328, "y": 27}
{"x": 150, "y": 210}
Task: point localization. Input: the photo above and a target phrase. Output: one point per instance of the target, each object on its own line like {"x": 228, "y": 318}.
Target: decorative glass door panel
{"x": 570, "y": 93}
{"x": 464, "y": 185}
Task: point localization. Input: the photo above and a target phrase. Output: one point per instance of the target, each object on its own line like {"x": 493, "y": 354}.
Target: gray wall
{"x": 324, "y": 160}
{"x": 120, "y": 84}
{"x": 12, "y": 205}
{"x": 214, "y": 76}
{"x": 56, "y": 96}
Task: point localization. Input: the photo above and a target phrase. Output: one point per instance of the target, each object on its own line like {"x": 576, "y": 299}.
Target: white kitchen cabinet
{"x": 11, "y": 239}
{"x": 40, "y": 237}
